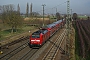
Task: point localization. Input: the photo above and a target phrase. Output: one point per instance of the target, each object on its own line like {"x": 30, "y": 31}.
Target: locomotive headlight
{"x": 35, "y": 40}
{"x": 32, "y": 40}
{"x": 38, "y": 40}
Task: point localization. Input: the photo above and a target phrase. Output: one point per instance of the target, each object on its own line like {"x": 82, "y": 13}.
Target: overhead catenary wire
{"x": 52, "y": 7}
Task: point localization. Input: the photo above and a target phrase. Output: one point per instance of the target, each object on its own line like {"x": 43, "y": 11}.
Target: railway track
{"x": 13, "y": 52}
{"x": 14, "y": 42}
{"x": 32, "y": 52}
{"x": 23, "y": 52}
{"x": 50, "y": 55}
{"x": 29, "y": 54}
{"x": 42, "y": 51}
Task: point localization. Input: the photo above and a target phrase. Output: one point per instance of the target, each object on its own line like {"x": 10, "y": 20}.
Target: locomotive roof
{"x": 51, "y": 25}
{"x": 48, "y": 26}
{"x": 43, "y": 31}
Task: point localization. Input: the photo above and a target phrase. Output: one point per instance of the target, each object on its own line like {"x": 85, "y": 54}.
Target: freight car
{"x": 39, "y": 37}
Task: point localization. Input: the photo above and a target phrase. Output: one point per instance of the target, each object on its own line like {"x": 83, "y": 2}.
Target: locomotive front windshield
{"x": 36, "y": 35}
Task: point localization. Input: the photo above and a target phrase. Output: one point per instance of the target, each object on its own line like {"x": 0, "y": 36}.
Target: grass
{"x": 27, "y": 28}
{"x": 84, "y": 17}
{"x": 77, "y": 48}
{"x": 7, "y": 33}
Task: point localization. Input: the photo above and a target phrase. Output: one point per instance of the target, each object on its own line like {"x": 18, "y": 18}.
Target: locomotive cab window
{"x": 35, "y": 36}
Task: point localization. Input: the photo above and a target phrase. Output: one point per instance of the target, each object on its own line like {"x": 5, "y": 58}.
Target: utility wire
{"x": 52, "y": 7}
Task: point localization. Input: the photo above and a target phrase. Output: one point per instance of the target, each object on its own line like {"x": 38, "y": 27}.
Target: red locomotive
{"x": 39, "y": 37}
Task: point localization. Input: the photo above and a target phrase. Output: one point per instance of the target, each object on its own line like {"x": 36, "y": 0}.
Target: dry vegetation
{"x": 26, "y": 19}
{"x": 38, "y": 21}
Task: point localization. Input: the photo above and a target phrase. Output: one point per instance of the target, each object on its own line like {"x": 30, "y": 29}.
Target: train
{"x": 38, "y": 38}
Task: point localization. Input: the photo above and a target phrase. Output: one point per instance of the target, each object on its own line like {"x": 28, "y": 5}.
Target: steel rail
{"x": 52, "y": 51}
{"x": 13, "y": 52}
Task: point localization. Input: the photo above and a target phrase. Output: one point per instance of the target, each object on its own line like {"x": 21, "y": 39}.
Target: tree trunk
{"x": 15, "y": 29}
{"x": 12, "y": 29}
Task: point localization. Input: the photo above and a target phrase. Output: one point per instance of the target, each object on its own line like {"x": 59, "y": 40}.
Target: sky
{"x": 77, "y": 6}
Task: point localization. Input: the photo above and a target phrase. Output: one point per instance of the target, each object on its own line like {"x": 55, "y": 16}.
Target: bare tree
{"x": 58, "y": 16}
{"x": 18, "y": 9}
{"x": 31, "y": 10}
{"x": 11, "y": 17}
{"x": 75, "y": 17}
{"x": 27, "y": 10}
{"x": 88, "y": 18}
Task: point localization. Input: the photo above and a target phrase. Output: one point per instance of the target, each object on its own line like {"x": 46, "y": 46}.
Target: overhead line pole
{"x": 43, "y": 13}
{"x": 71, "y": 14}
{"x": 56, "y": 10}
{"x": 67, "y": 48}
